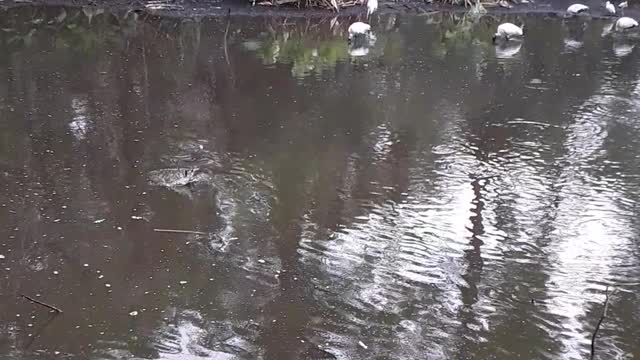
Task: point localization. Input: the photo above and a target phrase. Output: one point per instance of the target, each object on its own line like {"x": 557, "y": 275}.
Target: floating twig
{"x": 224, "y": 39}
{"x": 180, "y": 231}
{"x": 41, "y": 303}
{"x": 604, "y": 314}
{"x": 225, "y": 45}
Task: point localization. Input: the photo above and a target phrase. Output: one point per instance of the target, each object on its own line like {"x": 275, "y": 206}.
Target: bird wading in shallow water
{"x": 577, "y": 9}
{"x": 625, "y": 23}
{"x": 360, "y": 39}
{"x": 359, "y": 29}
{"x": 508, "y": 31}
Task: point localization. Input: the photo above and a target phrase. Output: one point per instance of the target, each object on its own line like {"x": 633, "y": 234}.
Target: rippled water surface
{"x": 254, "y": 188}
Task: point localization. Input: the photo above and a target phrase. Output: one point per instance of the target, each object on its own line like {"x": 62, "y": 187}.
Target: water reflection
{"x": 572, "y": 45}
{"x": 622, "y": 49}
{"x": 358, "y": 51}
{"x": 437, "y": 196}
{"x": 508, "y": 50}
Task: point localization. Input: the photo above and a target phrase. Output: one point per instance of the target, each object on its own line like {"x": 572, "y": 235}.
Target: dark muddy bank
{"x": 192, "y": 8}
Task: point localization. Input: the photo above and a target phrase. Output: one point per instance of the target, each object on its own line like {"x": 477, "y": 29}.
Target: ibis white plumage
{"x": 359, "y": 28}
{"x": 508, "y": 31}
{"x": 625, "y": 23}
{"x": 611, "y": 9}
{"x": 576, "y": 9}
{"x": 623, "y": 5}
{"x": 372, "y": 6}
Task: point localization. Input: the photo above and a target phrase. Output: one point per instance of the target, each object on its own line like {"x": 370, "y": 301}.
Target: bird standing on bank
{"x": 611, "y": 9}
{"x": 372, "y": 6}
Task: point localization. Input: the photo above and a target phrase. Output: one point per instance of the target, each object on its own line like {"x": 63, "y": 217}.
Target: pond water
{"x": 255, "y": 188}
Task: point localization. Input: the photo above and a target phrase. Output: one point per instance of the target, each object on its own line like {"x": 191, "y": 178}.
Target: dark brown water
{"x": 437, "y": 198}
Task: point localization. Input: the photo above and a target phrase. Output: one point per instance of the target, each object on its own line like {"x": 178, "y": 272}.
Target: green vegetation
{"x": 304, "y": 53}
{"x": 75, "y": 29}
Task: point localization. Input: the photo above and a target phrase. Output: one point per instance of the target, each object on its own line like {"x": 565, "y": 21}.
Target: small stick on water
{"x": 604, "y": 314}
{"x": 41, "y": 303}
{"x": 180, "y": 231}
{"x": 224, "y": 40}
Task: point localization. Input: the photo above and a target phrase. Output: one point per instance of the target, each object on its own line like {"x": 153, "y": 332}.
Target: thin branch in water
{"x": 226, "y": 49}
{"x": 180, "y": 231}
{"x": 604, "y": 314}
{"x": 226, "y": 34}
{"x": 41, "y": 303}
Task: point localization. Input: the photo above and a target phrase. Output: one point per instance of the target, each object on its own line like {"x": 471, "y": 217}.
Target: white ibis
{"x": 577, "y": 9}
{"x": 611, "y": 9}
{"x": 359, "y": 28}
{"x": 372, "y": 6}
{"x": 508, "y": 31}
{"x": 625, "y": 23}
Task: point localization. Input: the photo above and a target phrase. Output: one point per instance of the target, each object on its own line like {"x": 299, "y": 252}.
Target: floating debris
{"x": 41, "y": 303}
{"x": 136, "y": 217}
{"x": 133, "y": 313}
{"x": 180, "y": 231}
{"x": 183, "y": 282}
{"x": 99, "y": 221}
{"x": 178, "y": 177}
